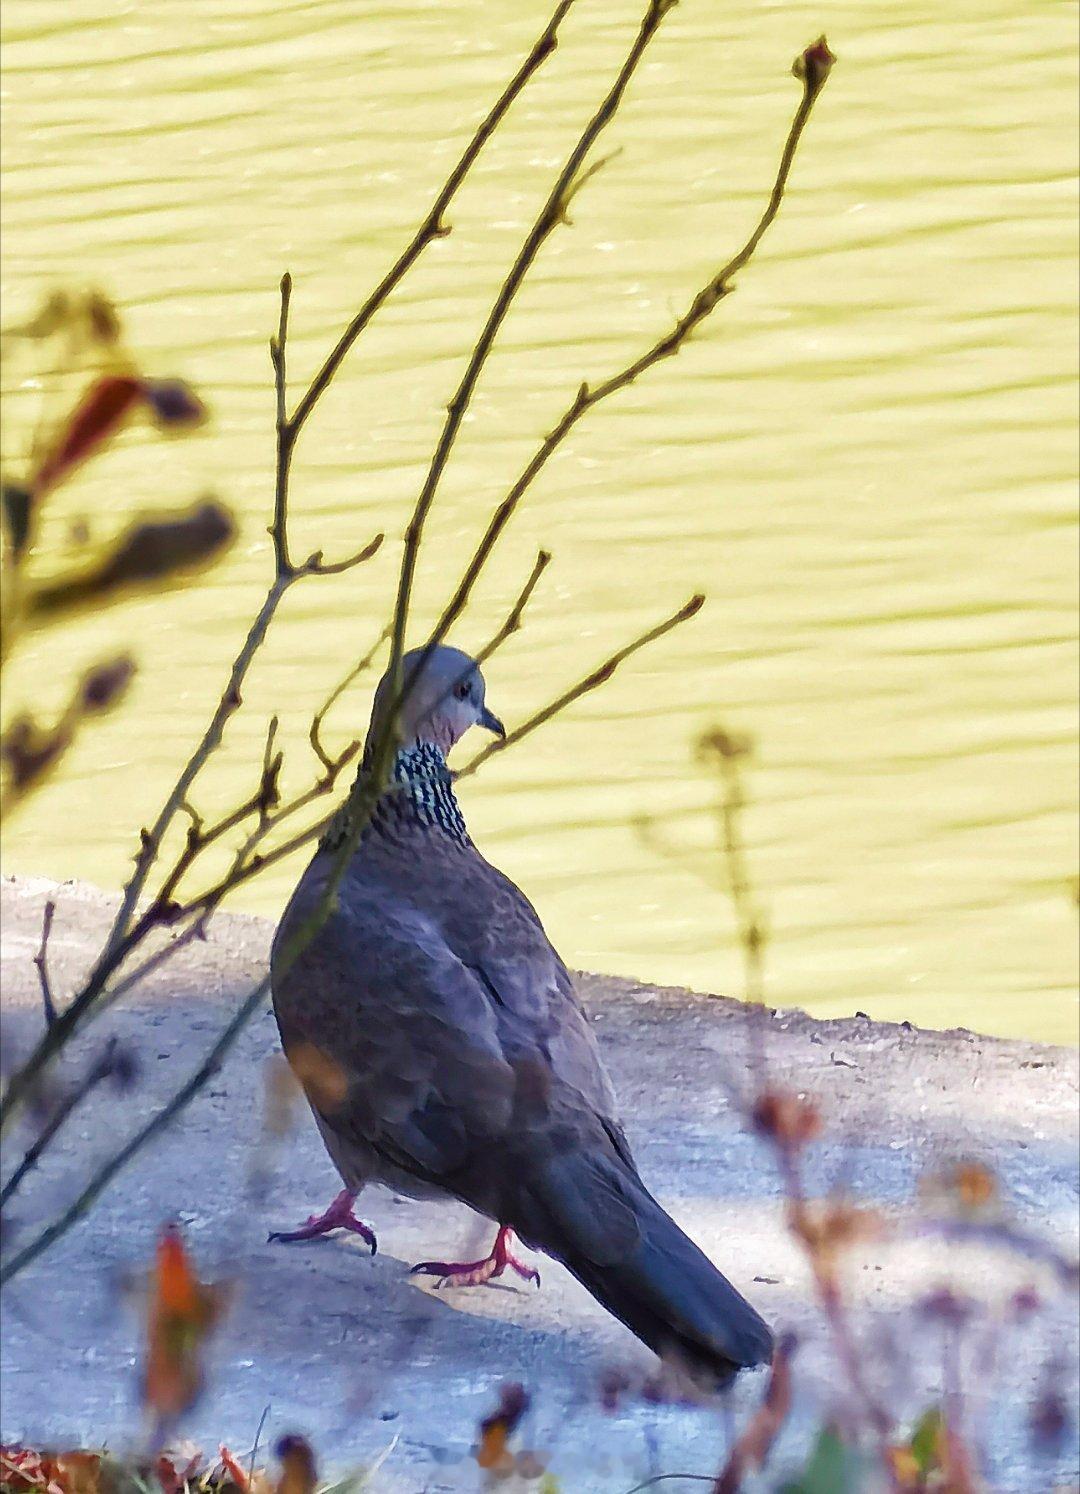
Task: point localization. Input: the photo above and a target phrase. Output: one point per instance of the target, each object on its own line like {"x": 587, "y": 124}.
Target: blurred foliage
{"x": 91, "y": 390}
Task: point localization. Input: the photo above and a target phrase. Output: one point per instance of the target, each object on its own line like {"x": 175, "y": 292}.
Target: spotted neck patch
{"x": 421, "y": 794}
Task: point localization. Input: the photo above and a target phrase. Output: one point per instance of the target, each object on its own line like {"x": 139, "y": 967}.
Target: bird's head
{"x": 446, "y": 698}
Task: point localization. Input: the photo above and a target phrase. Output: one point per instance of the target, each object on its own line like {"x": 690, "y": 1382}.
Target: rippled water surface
{"x": 867, "y": 460}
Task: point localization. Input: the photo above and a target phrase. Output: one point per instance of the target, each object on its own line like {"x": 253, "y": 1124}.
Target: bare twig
{"x": 433, "y": 226}
{"x": 41, "y": 963}
{"x": 122, "y": 935}
{"x": 194, "y": 931}
{"x": 703, "y": 304}
{"x": 549, "y": 217}
{"x": 591, "y": 682}
{"x": 332, "y": 765}
{"x": 101, "y": 1069}
{"x": 513, "y": 621}
{"x": 752, "y": 1448}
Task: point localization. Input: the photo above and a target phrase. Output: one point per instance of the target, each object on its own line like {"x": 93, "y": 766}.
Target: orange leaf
{"x": 177, "y": 1289}
{"x": 182, "y": 1311}
{"x": 232, "y": 1468}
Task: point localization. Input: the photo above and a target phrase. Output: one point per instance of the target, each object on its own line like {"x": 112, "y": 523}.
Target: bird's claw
{"x": 477, "y": 1273}
{"x": 338, "y": 1216}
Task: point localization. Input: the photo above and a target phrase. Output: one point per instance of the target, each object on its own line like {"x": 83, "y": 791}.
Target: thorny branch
{"x": 354, "y": 815}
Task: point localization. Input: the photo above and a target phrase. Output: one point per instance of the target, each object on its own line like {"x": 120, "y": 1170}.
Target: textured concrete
{"x": 353, "y": 1352}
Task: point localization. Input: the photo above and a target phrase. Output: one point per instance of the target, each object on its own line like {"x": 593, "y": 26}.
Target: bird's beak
{"x": 491, "y": 722}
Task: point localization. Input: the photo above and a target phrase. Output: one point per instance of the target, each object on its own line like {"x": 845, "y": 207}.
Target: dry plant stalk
{"x": 938, "y": 1453}
{"x": 263, "y": 813}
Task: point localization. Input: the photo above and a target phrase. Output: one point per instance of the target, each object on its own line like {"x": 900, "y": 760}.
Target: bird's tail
{"x": 594, "y": 1214}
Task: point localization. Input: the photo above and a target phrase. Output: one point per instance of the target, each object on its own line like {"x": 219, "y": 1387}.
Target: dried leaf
{"x": 298, "y": 1474}
{"x": 152, "y": 549}
{"x": 830, "y": 1227}
{"x": 321, "y": 1077}
{"x": 183, "y": 1311}
{"x": 17, "y": 502}
{"x": 104, "y": 685}
{"x": 28, "y": 750}
{"x": 965, "y": 1188}
{"x": 98, "y": 417}
{"x": 493, "y": 1452}
{"x": 726, "y": 745}
{"x": 102, "y": 318}
{"x": 753, "y": 1446}
{"x": 173, "y": 403}
{"x": 789, "y": 1119}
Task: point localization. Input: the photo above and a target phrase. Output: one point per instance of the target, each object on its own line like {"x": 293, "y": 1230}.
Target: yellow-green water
{"x": 867, "y": 460}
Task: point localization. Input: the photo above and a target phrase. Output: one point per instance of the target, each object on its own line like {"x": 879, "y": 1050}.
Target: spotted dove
{"x": 444, "y": 1052}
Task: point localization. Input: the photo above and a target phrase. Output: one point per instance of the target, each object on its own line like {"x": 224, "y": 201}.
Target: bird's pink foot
{"x": 338, "y": 1216}
{"x": 476, "y": 1273}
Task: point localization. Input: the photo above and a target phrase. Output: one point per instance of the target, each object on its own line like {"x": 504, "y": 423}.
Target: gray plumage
{"x": 470, "y": 1068}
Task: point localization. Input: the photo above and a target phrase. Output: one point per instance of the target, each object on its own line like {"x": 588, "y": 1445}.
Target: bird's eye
{"x": 461, "y": 689}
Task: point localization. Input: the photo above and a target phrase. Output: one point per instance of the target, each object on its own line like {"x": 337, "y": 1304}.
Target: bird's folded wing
{"x": 411, "y": 1034}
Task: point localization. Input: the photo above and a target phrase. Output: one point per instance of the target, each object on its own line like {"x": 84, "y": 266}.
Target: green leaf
{"x": 833, "y": 1468}
{"x": 926, "y": 1440}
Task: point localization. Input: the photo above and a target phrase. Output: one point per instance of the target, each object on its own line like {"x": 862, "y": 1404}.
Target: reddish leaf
{"x": 99, "y": 416}
{"x": 233, "y": 1469}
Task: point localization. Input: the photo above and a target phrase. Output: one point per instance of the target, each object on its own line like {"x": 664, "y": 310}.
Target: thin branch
{"x": 591, "y": 682}
{"x": 433, "y": 226}
{"x": 587, "y": 398}
{"x": 549, "y": 217}
{"x": 120, "y": 941}
{"x": 315, "y": 565}
{"x": 513, "y": 621}
{"x": 285, "y": 436}
{"x": 41, "y": 963}
{"x": 195, "y": 930}
{"x": 315, "y": 732}
{"x": 100, "y": 1070}
{"x": 268, "y": 795}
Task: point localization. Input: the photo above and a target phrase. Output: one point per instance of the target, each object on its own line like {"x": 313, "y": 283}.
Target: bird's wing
{"x": 495, "y": 931}
{"x": 449, "y": 1033}
{"x": 410, "y": 1033}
